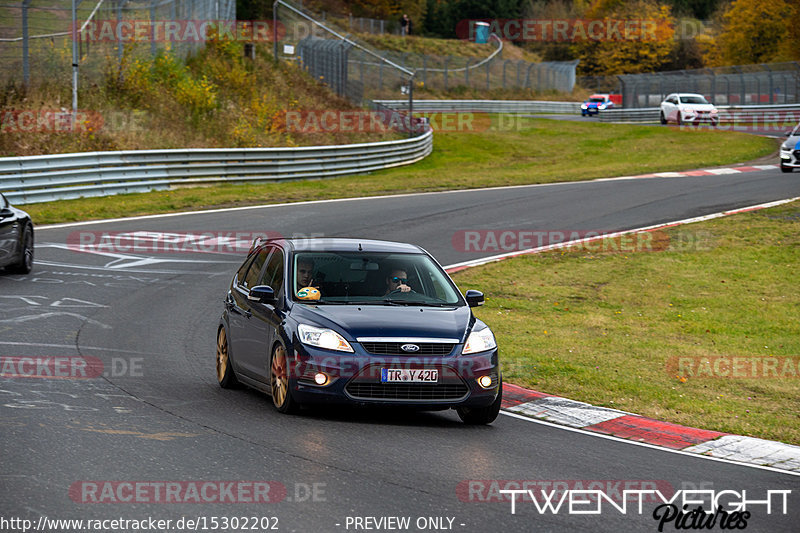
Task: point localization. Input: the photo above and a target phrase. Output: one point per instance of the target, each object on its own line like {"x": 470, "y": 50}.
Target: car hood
{"x": 354, "y": 321}
{"x": 791, "y": 142}
{"x": 698, "y": 107}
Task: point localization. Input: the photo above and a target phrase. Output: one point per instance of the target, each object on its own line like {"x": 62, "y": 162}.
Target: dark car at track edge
{"x": 356, "y": 322}
{"x": 16, "y": 239}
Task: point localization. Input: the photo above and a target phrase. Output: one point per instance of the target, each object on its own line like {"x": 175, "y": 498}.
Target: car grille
{"x": 393, "y": 348}
{"x": 797, "y": 154}
{"x": 402, "y": 391}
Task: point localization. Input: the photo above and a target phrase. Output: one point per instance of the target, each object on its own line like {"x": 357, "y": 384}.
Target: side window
{"x": 273, "y": 274}
{"x": 251, "y": 278}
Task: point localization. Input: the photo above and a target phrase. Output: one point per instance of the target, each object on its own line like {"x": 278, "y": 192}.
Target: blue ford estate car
{"x": 359, "y": 322}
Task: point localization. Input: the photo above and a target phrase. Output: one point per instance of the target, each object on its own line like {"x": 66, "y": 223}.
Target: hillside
{"x": 215, "y": 99}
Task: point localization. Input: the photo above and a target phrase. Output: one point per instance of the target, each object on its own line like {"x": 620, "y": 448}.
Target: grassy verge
{"x": 661, "y": 334}
{"x": 525, "y": 151}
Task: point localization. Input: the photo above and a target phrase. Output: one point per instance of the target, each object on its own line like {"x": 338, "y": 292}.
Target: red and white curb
{"x": 692, "y": 173}
{"x": 587, "y": 417}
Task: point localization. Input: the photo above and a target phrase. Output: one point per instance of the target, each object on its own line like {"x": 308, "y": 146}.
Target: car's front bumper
{"x": 355, "y": 378}
{"x": 700, "y": 118}
{"x": 790, "y": 159}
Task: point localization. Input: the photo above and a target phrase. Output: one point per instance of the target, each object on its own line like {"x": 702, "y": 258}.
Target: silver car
{"x": 790, "y": 150}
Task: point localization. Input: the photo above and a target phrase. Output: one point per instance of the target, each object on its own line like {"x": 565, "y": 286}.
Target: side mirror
{"x": 474, "y": 298}
{"x": 788, "y": 134}
{"x": 5, "y": 212}
{"x": 262, "y": 293}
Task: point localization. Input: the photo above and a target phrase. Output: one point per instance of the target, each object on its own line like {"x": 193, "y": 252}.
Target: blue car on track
{"x": 358, "y": 322}
{"x": 595, "y": 104}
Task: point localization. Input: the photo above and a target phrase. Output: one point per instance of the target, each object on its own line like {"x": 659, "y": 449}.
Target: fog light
{"x": 485, "y": 381}
{"x": 320, "y": 378}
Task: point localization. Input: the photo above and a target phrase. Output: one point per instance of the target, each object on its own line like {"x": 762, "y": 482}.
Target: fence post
{"x": 119, "y": 37}
{"x": 152, "y": 28}
{"x": 26, "y": 67}
{"x": 74, "y": 63}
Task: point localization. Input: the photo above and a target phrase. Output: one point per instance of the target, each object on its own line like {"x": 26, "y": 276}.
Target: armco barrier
{"x": 486, "y": 106}
{"x": 727, "y": 114}
{"x": 44, "y": 178}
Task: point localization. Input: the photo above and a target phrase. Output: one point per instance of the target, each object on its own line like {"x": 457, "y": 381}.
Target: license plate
{"x": 398, "y": 375}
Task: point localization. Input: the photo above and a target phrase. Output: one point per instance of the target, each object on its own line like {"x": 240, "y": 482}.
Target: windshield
{"x": 693, "y": 100}
{"x": 369, "y": 278}
{"x": 597, "y": 99}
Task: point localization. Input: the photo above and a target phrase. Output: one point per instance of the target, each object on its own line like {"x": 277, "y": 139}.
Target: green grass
{"x": 525, "y": 152}
{"x": 607, "y": 327}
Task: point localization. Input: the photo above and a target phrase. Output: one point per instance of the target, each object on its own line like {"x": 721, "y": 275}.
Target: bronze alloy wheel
{"x": 279, "y": 381}
{"x": 225, "y": 374}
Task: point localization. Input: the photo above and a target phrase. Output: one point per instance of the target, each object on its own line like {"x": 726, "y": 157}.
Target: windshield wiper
{"x": 416, "y": 302}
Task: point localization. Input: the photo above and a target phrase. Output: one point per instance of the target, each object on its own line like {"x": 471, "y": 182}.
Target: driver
{"x": 397, "y": 281}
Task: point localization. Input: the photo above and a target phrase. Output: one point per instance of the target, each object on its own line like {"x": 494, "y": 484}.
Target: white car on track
{"x": 688, "y": 108}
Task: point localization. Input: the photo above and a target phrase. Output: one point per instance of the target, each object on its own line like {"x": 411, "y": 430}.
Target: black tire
{"x": 24, "y": 264}
{"x": 663, "y": 118}
{"x": 282, "y": 397}
{"x": 226, "y": 377}
{"x": 481, "y": 416}
{"x": 786, "y": 169}
{"x": 679, "y": 121}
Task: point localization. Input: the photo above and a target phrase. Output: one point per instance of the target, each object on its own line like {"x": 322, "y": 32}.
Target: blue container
{"x": 481, "y": 32}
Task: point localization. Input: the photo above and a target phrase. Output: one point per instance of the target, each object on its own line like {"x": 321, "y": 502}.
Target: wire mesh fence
{"x": 362, "y": 73}
{"x": 775, "y": 83}
{"x": 36, "y": 36}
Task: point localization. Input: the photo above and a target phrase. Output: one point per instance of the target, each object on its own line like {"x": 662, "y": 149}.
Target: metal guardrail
{"x": 32, "y": 179}
{"x": 727, "y": 114}
{"x": 487, "y": 106}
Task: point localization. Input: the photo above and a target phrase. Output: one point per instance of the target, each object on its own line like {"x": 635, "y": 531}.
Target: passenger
{"x": 305, "y": 273}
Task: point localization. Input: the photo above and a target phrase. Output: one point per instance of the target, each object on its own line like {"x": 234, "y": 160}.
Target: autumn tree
{"x": 754, "y": 30}
{"x": 648, "y": 51}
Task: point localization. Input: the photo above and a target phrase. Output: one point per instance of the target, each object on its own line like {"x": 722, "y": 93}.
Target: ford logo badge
{"x": 410, "y": 348}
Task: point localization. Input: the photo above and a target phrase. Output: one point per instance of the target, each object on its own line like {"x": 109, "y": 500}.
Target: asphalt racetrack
{"x": 108, "y": 448}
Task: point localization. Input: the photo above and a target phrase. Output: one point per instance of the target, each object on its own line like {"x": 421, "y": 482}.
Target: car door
{"x": 240, "y": 315}
{"x": 265, "y": 318}
{"x": 669, "y": 108}
{"x": 9, "y": 229}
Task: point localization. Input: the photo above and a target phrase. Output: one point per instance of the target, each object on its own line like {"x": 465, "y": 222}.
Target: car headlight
{"x": 688, "y": 110}
{"x": 714, "y": 111}
{"x": 479, "y": 341}
{"x": 602, "y": 106}
{"x": 323, "y": 338}
{"x": 583, "y": 106}
{"x": 785, "y": 149}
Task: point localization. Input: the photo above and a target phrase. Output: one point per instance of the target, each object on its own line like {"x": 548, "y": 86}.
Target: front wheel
{"x": 476, "y": 416}
{"x": 279, "y": 381}
{"x": 24, "y": 264}
{"x": 663, "y": 118}
{"x": 225, "y": 374}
